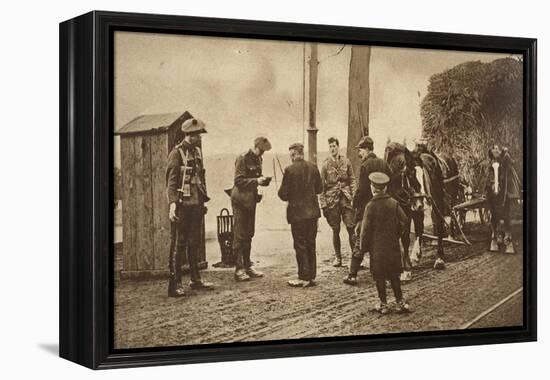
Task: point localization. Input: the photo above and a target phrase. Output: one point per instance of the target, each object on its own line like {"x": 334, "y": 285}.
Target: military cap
{"x": 379, "y": 179}
{"x": 365, "y": 143}
{"x": 296, "y": 146}
{"x": 262, "y": 143}
{"x": 193, "y": 126}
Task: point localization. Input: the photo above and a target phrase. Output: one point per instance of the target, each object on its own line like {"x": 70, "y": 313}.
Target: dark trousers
{"x": 357, "y": 254}
{"x": 304, "y": 234}
{"x": 241, "y": 251}
{"x": 185, "y": 238}
{"x": 395, "y": 285}
{"x": 244, "y": 220}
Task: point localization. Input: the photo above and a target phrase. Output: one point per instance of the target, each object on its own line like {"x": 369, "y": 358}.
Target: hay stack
{"x": 471, "y": 107}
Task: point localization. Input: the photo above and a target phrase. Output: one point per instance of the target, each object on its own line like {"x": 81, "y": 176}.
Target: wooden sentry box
{"x": 145, "y": 143}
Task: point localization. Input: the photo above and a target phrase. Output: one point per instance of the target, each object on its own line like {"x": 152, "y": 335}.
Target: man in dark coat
{"x": 383, "y": 224}
{"x": 300, "y": 186}
{"x": 186, "y": 191}
{"x": 244, "y": 196}
{"x": 369, "y": 164}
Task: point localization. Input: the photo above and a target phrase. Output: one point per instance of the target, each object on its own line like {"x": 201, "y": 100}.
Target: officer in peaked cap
{"x": 186, "y": 190}
{"x": 369, "y": 164}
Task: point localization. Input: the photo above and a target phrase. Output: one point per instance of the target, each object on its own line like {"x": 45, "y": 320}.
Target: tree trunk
{"x": 358, "y": 117}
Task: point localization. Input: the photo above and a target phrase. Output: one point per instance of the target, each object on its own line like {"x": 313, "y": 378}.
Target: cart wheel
{"x": 461, "y": 217}
{"x": 460, "y": 214}
{"x": 458, "y": 219}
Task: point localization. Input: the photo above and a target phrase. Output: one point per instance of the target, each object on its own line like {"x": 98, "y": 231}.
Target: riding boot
{"x": 337, "y": 248}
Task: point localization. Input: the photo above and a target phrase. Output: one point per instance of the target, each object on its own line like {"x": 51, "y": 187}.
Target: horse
{"x": 503, "y": 186}
{"x": 453, "y": 190}
{"x": 406, "y": 189}
{"x": 439, "y": 175}
{"x": 433, "y": 178}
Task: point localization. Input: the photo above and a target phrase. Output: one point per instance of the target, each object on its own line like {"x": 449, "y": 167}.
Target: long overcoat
{"x": 383, "y": 224}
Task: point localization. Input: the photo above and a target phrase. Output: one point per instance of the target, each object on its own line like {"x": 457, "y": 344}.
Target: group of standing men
{"x": 374, "y": 221}
{"x": 300, "y": 187}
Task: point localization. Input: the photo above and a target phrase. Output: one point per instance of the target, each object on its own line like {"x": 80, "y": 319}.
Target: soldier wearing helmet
{"x": 186, "y": 191}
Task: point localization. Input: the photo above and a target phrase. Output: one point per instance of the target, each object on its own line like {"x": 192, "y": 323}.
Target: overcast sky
{"x": 243, "y": 88}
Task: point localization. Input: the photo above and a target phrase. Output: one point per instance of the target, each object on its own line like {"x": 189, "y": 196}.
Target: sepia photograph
{"x": 269, "y": 190}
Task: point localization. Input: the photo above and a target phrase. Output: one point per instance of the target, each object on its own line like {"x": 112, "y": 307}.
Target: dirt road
{"x": 266, "y": 309}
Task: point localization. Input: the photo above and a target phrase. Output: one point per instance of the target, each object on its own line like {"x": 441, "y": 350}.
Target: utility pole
{"x": 359, "y": 93}
{"x": 312, "y": 127}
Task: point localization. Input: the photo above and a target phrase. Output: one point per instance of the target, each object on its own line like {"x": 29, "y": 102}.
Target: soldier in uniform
{"x": 383, "y": 224}
{"x": 338, "y": 189}
{"x": 186, "y": 190}
{"x": 244, "y": 196}
{"x": 369, "y": 164}
{"x": 300, "y": 186}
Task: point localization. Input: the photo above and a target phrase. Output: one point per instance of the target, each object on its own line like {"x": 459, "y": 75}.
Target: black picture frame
{"x": 86, "y": 188}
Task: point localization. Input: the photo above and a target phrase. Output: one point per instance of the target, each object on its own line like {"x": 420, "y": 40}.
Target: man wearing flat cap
{"x": 383, "y": 224}
{"x": 300, "y": 186}
{"x": 186, "y": 191}
{"x": 369, "y": 164}
{"x": 244, "y": 196}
